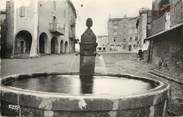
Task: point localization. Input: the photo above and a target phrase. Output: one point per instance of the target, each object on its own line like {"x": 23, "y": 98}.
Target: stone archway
{"x": 42, "y": 43}
{"x": 61, "y": 46}
{"x": 54, "y": 45}
{"x": 66, "y": 47}
{"x": 23, "y": 42}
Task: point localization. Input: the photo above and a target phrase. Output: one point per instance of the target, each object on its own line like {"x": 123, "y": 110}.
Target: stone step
{"x": 165, "y": 76}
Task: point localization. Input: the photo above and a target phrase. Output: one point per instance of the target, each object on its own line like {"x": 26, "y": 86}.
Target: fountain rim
{"x": 159, "y": 84}
{"x": 154, "y": 96}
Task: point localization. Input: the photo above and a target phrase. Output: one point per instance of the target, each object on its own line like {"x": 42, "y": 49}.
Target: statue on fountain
{"x": 88, "y": 50}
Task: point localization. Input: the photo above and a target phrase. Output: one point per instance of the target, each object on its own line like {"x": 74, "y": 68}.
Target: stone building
{"x": 103, "y": 43}
{"x": 36, "y": 27}
{"x": 122, "y": 34}
{"x": 166, "y": 37}
{"x": 166, "y": 47}
{"x": 2, "y": 21}
{"x": 143, "y": 27}
{"x": 2, "y": 28}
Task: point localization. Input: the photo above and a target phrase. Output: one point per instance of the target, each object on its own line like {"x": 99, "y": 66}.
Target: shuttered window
{"x": 22, "y": 11}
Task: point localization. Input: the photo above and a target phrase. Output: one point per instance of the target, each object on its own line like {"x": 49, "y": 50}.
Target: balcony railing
{"x": 171, "y": 18}
{"x": 56, "y": 28}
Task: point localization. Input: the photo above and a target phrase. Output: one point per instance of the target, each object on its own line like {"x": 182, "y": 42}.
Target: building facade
{"x": 40, "y": 27}
{"x": 166, "y": 37}
{"x": 103, "y": 43}
{"x": 166, "y": 45}
{"x": 143, "y": 27}
{"x": 123, "y": 34}
{"x": 2, "y": 21}
{"x": 2, "y": 28}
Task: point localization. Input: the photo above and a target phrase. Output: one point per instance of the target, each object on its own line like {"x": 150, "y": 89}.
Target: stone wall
{"x": 176, "y": 12}
{"x": 166, "y": 47}
{"x": 158, "y": 25}
{"x": 171, "y": 17}
{"x": 167, "y": 53}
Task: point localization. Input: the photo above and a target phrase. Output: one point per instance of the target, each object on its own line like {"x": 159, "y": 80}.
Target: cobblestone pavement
{"x": 106, "y": 63}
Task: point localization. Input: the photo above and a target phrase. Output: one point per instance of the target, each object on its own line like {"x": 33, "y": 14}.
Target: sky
{"x": 101, "y": 10}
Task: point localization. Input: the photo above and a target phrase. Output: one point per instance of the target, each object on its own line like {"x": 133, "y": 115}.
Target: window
{"x": 115, "y": 33}
{"x": 54, "y": 19}
{"x": 115, "y": 27}
{"x": 114, "y": 39}
{"x": 136, "y": 38}
{"x": 22, "y": 11}
{"x": 134, "y": 46}
{"x": 129, "y": 48}
{"x": 130, "y": 38}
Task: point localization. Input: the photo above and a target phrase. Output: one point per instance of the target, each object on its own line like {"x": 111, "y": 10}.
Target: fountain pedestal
{"x": 88, "y": 51}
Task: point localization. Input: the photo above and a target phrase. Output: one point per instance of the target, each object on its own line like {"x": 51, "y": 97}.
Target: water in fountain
{"x": 101, "y": 67}
{"x": 74, "y": 64}
{"x": 77, "y": 85}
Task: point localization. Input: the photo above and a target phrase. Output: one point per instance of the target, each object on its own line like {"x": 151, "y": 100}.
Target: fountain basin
{"x": 20, "y": 101}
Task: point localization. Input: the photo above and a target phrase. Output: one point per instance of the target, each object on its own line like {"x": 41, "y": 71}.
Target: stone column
{"x": 88, "y": 51}
{"x": 34, "y": 50}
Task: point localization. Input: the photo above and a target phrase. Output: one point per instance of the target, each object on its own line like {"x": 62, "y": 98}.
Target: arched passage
{"x": 54, "y": 45}
{"x": 23, "y": 42}
{"x": 61, "y": 46}
{"x": 66, "y": 47}
{"x": 42, "y": 43}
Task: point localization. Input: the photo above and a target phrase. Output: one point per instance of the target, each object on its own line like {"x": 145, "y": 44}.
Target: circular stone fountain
{"x": 65, "y": 95}
{"x": 83, "y": 94}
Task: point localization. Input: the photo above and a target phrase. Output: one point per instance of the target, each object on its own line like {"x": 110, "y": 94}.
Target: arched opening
{"x": 54, "y": 45}
{"x": 61, "y": 46}
{"x": 100, "y": 48}
{"x": 130, "y": 48}
{"x": 66, "y": 47}
{"x": 42, "y": 43}
{"x": 23, "y": 42}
